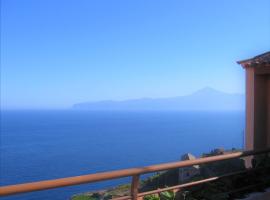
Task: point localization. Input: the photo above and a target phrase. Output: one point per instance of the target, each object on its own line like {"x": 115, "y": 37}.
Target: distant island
{"x": 206, "y": 99}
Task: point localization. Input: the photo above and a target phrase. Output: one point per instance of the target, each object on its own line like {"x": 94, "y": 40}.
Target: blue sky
{"x": 58, "y": 52}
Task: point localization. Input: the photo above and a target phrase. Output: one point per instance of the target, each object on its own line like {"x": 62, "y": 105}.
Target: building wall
{"x": 249, "y": 132}
{"x": 257, "y": 108}
{"x": 260, "y": 111}
{"x": 268, "y": 111}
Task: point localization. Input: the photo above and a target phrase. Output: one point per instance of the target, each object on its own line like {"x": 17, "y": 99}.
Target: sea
{"x": 42, "y": 145}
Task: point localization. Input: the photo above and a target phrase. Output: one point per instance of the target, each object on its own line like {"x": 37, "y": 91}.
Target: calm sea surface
{"x": 40, "y": 145}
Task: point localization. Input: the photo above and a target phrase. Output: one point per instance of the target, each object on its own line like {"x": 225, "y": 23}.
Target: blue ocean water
{"x": 41, "y": 145}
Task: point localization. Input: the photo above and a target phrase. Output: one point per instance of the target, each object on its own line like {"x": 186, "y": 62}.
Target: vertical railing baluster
{"x": 135, "y": 187}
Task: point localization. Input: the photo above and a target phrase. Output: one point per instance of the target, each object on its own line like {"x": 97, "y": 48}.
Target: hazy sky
{"x": 58, "y": 52}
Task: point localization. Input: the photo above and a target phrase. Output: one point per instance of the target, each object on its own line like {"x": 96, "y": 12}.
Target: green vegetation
{"x": 167, "y": 195}
{"x": 121, "y": 190}
{"x": 83, "y": 197}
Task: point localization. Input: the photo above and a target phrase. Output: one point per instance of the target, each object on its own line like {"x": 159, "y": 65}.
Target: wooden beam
{"x": 135, "y": 187}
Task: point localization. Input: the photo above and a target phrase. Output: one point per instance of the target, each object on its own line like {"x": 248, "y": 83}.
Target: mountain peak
{"x": 207, "y": 91}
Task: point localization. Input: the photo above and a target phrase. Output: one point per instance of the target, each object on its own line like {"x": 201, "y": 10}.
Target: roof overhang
{"x": 262, "y": 60}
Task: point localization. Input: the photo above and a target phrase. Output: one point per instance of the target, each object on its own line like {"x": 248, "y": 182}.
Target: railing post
{"x": 135, "y": 187}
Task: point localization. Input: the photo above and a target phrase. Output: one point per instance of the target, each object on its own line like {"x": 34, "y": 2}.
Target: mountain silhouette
{"x": 206, "y": 99}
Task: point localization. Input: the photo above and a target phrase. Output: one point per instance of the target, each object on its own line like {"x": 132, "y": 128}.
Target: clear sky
{"x": 58, "y": 52}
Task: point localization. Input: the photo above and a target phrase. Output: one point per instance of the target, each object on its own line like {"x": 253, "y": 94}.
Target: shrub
{"x": 151, "y": 197}
{"x": 167, "y": 195}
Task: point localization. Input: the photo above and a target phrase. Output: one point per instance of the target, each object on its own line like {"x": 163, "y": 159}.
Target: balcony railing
{"x": 134, "y": 173}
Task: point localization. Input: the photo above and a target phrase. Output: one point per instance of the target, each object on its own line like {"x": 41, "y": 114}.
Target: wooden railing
{"x": 132, "y": 172}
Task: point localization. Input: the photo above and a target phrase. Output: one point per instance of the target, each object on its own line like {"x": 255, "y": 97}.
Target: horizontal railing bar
{"x": 177, "y": 187}
{"x": 193, "y": 183}
{"x": 90, "y": 178}
{"x": 122, "y": 198}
